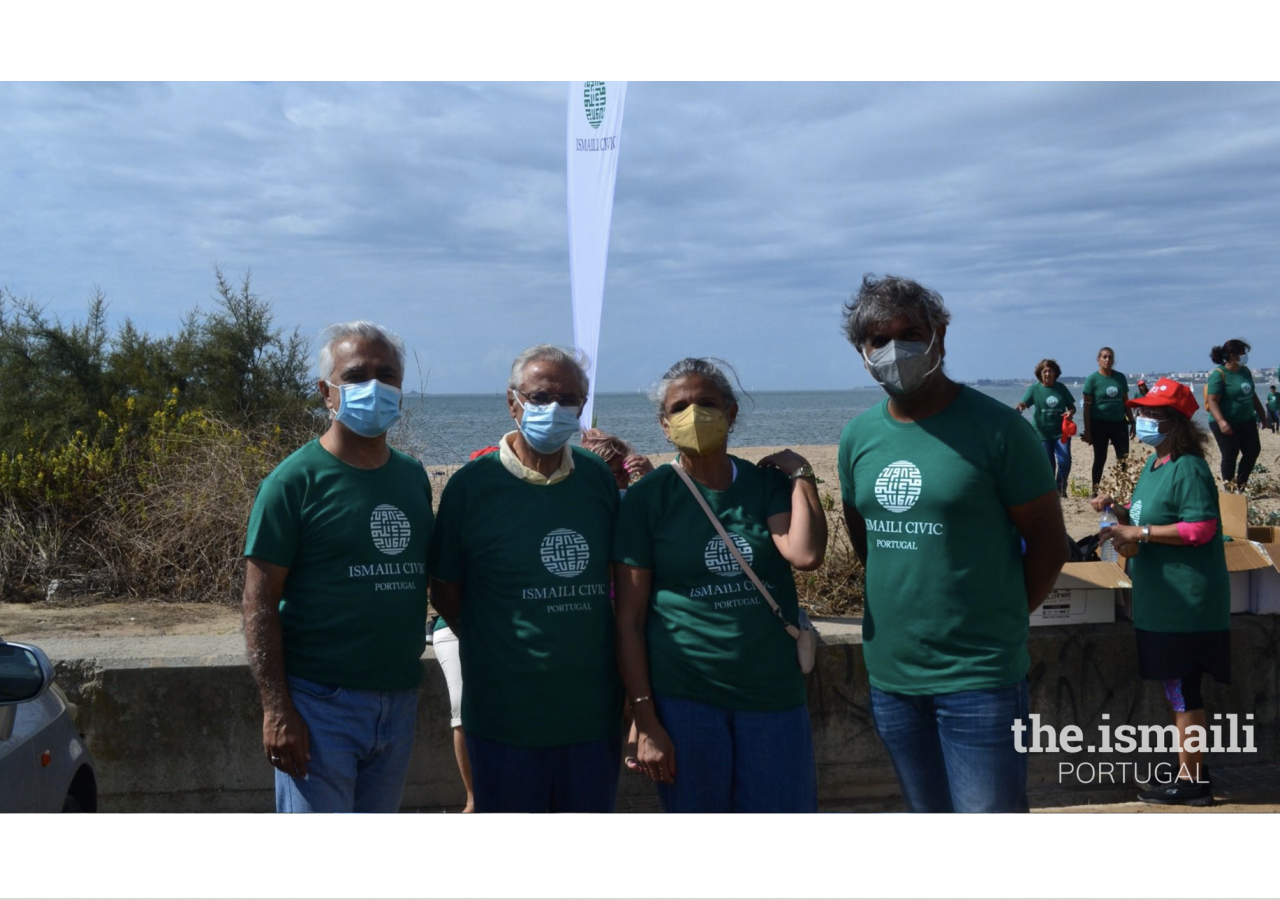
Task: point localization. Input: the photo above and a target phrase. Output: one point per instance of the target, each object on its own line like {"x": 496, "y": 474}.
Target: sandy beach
{"x": 123, "y": 618}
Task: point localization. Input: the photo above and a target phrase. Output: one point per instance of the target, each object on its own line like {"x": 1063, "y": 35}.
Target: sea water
{"x": 444, "y": 429}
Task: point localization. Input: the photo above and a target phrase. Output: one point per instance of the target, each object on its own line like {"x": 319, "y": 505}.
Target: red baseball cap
{"x": 1168, "y": 392}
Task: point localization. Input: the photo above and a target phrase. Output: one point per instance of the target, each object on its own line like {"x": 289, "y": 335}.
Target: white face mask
{"x": 901, "y": 367}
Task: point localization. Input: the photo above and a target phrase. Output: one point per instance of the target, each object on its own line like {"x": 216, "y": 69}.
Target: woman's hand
{"x": 1102, "y": 501}
{"x": 1225, "y": 427}
{"x": 785, "y": 461}
{"x": 1125, "y": 538}
{"x": 655, "y": 753}
{"x": 637, "y": 465}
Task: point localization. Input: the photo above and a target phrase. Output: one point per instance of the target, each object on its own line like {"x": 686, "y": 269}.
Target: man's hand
{"x": 286, "y": 740}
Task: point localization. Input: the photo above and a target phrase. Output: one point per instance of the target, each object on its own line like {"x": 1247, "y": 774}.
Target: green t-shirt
{"x": 353, "y": 611}
{"x": 1273, "y": 401}
{"x": 1107, "y": 395}
{"x": 1179, "y": 588}
{"x": 1235, "y": 393}
{"x": 946, "y": 604}
{"x": 1050, "y": 404}
{"x": 536, "y": 638}
{"x": 711, "y": 636}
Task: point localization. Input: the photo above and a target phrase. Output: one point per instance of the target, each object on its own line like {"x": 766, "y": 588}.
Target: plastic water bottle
{"x": 1106, "y": 549}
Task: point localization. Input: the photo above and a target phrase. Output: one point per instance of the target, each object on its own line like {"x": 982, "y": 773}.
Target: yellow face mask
{"x": 698, "y": 429}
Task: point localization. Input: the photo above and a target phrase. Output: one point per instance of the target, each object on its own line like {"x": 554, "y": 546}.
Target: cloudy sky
{"x": 1053, "y": 217}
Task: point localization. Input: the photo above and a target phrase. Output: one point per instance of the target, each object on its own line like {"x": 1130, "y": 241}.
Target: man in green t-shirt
{"x": 335, "y": 594}
{"x": 520, "y": 566}
{"x": 1273, "y": 409}
{"x": 941, "y": 486}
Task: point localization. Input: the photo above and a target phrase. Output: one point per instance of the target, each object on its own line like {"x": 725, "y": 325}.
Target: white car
{"x": 44, "y": 763}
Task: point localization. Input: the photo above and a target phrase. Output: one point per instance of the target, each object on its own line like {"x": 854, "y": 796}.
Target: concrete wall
{"x": 184, "y": 734}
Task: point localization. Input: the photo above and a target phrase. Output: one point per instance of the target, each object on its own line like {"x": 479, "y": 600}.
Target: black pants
{"x": 1103, "y": 432}
{"x": 1242, "y": 442}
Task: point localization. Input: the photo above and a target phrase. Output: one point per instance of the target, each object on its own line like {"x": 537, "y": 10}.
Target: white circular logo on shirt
{"x": 1051, "y": 401}
{"x": 898, "y": 487}
{"x": 565, "y": 553}
{"x": 390, "y": 529}
{"x": 1113, "y": 391}
{"x": 1135, "y": 512}
{"x": 720, "y": 561}
{"x": 1246, "y": 387}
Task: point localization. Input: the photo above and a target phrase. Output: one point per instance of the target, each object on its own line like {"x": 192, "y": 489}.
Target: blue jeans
{"x": 735, "y": 761}
{"x": 360, "y": 747}
{"x": 1059, "y": 459}
{"x": 955, "y": 752}
{"x": 581, "y": 778}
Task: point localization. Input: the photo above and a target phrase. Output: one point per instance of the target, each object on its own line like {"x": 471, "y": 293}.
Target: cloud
{"x": 1053, "y": 217}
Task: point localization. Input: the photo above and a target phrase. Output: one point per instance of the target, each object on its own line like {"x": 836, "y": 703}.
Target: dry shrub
{"x": 175, "y": 532}
{"x": 153, "y": 508}
{"x": 836, "y": 588}
{"x": 1122, "y": 475}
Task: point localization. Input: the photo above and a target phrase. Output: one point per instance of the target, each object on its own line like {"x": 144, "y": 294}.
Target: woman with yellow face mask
{"x": 711, "y": 672}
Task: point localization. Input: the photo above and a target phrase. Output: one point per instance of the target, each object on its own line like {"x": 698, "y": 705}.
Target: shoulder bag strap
{"x": 733, "y": 548}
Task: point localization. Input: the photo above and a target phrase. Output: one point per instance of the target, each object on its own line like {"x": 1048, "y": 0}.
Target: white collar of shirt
{"x": 513, "y": 465}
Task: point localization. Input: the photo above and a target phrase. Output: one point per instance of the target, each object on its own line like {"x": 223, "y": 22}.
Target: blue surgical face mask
{"x": 369, "y": 408}
{"x": 1148, "y": 431}
{"x": 1244, "y": 359}
{"x": 547, "y": 428}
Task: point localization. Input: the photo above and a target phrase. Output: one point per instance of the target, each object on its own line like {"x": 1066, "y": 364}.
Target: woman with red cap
{"x": 1181, "y": 595}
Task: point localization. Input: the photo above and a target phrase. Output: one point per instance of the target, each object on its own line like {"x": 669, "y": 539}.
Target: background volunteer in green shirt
{"x": 1181, "y": 595}
{"x": 1106, "y": 419}
{"x": 939, "y": 482}
{"x": 1054, "y": 405}
{"x": 1234, "y": 410}
{"x": 1273, "y": 409}
{"x": 520, "y": 571}
{"x": 720, "y": 709}
{"x": 335, "y": 593}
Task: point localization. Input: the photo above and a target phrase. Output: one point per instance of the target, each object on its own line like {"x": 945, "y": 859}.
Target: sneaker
{"x": 1180, "y": 793}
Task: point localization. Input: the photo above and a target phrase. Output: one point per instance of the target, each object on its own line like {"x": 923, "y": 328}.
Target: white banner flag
{"x": 595, "y": 129}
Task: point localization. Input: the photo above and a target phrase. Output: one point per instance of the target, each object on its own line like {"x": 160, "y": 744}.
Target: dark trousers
{"x": 1243, "y": 442}
{"x": 1103, "y": 432}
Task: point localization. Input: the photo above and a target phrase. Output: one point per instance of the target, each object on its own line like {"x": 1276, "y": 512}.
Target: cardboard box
{"x": 1243, "y": 556}
{"x": 1264, "y": 584}
{"x": 1234, "y": 510}
{"x": 1084, "y": 592}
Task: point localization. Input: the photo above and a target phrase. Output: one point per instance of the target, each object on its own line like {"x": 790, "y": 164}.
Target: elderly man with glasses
{"x": 520, "y": 566}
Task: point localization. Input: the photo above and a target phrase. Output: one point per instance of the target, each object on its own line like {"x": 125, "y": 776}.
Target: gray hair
{"x": 336, "y": 334}
{"x": 691, "y": 365}
{"x": 549, "y": 353}
{"x": 884, "y": 299}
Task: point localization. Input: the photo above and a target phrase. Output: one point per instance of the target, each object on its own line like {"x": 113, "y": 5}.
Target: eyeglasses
{"x": 542, "y": 398}
{"x": 1158, "y": 415}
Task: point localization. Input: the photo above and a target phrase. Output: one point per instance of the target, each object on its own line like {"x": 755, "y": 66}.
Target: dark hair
{"x": 1048, "y": 364}
{"x": 884, "y": 299}
{"x": 1233, "y": 347}
{"x": 1113, "y": 353}
{"x": 1188, "y": 437}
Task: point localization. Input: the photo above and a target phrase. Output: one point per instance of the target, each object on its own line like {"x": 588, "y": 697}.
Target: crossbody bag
{"x": 803, "y": 631}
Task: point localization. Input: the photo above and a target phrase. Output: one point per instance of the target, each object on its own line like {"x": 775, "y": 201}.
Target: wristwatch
{"x": 805, "y": 471}
{"x": 1146, "y": 534}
